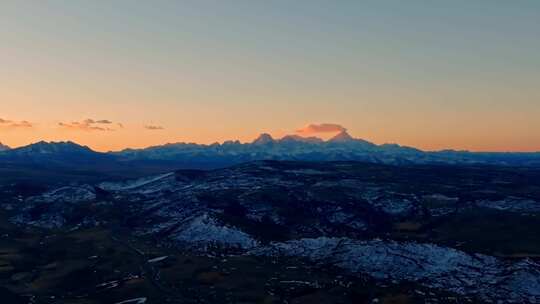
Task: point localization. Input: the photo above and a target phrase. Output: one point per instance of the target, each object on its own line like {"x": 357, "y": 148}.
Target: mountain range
{"x": 338, "y": 148}
{"x": 156, "y": 159}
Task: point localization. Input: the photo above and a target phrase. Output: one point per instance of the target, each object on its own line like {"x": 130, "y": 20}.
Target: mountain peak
{"x": 342, "y": 136}
{"x": 44, "y": 147}
{"x": 263, "y": 139}
{"x": 231, "y": 143}
{"x": 4, "y": 147}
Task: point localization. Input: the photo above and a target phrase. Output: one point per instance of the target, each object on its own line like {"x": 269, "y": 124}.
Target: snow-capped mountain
{"x": 342, "y": 147}
{"x": 43, "y": 147}
{"x": 342, "y": 136}
{"x": 53, "y": 151}
{"x": 53, "y": 162}
{"x": 263, "y": 139}
{"x": 290, "y": 147}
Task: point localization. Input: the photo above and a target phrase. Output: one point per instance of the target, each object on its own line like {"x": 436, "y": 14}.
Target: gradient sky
{"x": 456, "y": 74}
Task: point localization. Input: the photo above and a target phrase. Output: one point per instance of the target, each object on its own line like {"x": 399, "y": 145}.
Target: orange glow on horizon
{"x": 139, "y": 137}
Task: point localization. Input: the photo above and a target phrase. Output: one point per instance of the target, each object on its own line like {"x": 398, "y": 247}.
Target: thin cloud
{"x": 321, "y": 128}
{"x": 101, "y": 121}
{"x": 89, "y": 125}
{"x": 22, "y": 124}
{"x": 153, "y": 128}
{"x": 6, "y": 123}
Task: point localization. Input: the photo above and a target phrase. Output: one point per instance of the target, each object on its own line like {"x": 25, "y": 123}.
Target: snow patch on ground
{"x": 512, "y": 204}
{"x": 83, "y": 193}
{"x": 158, "y": 259}
{"x": 132, "y": 184}
{"x": 133, "y": 301}
{"x": 205, "y": 230}
{"x": 431, "y": 265}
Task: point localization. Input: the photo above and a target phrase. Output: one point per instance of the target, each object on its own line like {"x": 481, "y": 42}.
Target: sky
{"x": 455, "y": 74}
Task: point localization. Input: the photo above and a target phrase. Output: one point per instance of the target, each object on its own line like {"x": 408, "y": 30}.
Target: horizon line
{"x": 273, "y": 138}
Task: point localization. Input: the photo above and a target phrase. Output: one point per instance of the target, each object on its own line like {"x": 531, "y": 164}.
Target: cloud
{"x": 90, "y": 125}
{"x": 6, "y": 123}
{"x": 101, "y": 121}
{"x": 153, "y": 128}
{"x": 321, "y": 128}
{"x": 22, "y": 124}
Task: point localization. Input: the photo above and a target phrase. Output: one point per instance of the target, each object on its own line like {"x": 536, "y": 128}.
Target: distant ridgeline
{"x": 76, "y": 159}
{"x": 341, "y": 147}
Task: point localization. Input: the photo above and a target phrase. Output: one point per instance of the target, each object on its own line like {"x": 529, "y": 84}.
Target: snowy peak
{"x": 342, "y": 136}
{"x": 344, "y": 139}
{"x": 54, "y": 153}
{"x": 44, "y": 147}
{"x": 263, "y": 139}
